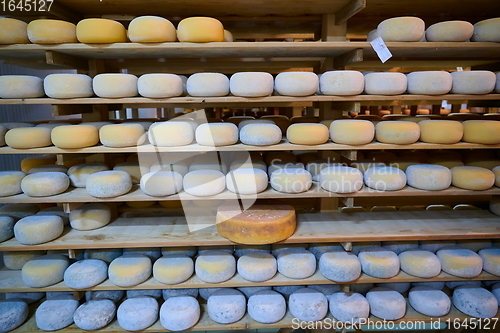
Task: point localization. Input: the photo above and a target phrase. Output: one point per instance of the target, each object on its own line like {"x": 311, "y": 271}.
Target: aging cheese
{"x": 397, "y": 132}
{"x": 46, "y": 31}
{"x": 13, "y": 313}
{"x": 85, "y": 274}
{"x": 472, "y": 178}
{"x": 379, "y": 262}
{"x": 266, "y": 306}
{"x": 386, "y": 83}
{"x": 481, "y": 131}
{"x": 28, "y": 137}
{"x": 173, "y": 269}
{"x": 340, "y": 266}
{"x": 487, "y": 30}
{"x": 429, "y": 83}
{"x": 171, "y": 134}
{"x": 441, "y": 131}
{"x": 385, "y": 178}
{"x": 226, "y": 306}
{"x": 291, "y": 180}
{"x": 38, "y": 229}
{"x": 161, "y": 183}
{"x": 349, "y": 307}
{"x": 108, "y": 184}
{"x": 78, "y": 174}
{"x": 75, "y": 136}
{"x": 21, "y": 86}
{"x": 207, "y": 85}
{"x": 260, "y": 134}
{"x": 151, "y": 29}
{"x": 257, "y": 266}
{"x": 433, "y": 303}
{"x": 386, "y": 303}
{"x": 204, "y": 182}
{"x": 260, "y": 224}
{"x": 10, "y": 183}
{"x": 402, "y": 29}
{"x": 13, "y": 31}
{"x": 44, "y": 184}
{"x": 251, "y": 84}
{"x": 460, "y": 262}
{"x": 420, "y": 263}
{"x": 307, "y": 134}
{"x": 228, "y": 36}
{"x": 449, "y": 31}
{"x": 138, "y": 313}
{"x": 296, "y": 263}
{"x": 246, "y": 181}
{"x": 296, "y": 83}
{"x": 473, "y": 82}
{"x": 130, "y": 270}
{"x": 428, "y": 177}
{"x": 214, "y": 266}
{"x": 6, "y": 227}
{"x": 217, "y": 134}
{"x": 491, "y": 260}
{"x": 90, "y": 216}
{"x": 65, "y": 85}
{"x": 15, "y": 260}
{"x": 179, "y": 313}
{"x": 94, "y": 314}
{"x": 159, "y": 85}
{"x": 308, "y": 305}
{"x": 341, "y": 179}
{"x": 122, "y": 135}
{"x": 44, "y": 271}
{"x": 475, "y": 302}
{"x": 342, "y": 83}
{"x": 100, "y": 31}
{"x": 115, "y": 85}
{"x": 200, "y": 30}
{"x": 55, "y": 314}
{"x": 352, "y": 132}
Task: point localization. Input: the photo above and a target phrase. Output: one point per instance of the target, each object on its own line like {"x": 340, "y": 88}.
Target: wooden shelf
{"x": 169, "y": 231}
{"x": 283, "y": 146}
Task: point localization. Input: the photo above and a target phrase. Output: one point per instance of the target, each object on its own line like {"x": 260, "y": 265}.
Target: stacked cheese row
{"x": 143, "y": 29}
{"x": 412, "y": 29}
{"x": 362, "y": 209}
{"x": 250, "y": 84}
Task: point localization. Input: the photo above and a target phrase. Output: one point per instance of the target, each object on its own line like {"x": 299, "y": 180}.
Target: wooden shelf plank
{"x": 169, "y": 231}
{"x": 11, "y": 281}
{"x": 283, "y": 146}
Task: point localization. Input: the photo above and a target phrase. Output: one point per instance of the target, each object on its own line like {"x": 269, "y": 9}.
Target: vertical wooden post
{"x": 330, "y": 32}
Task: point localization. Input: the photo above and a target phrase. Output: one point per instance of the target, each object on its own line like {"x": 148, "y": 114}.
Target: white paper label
{"x": 381, "y": 49}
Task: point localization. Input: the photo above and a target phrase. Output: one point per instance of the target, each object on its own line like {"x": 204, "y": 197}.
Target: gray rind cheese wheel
{"x": 308, "y": 304}
{"x": 429, "y": 302}
{"x": 12, "y": 314}
{"x": 226, "y": 306}
{"x": 429, "y": 82}
{"x": 138, "y": 313}
{"x": 402, "y": 29}
{"x": 340, "y": 266}
{"x": 53, "y": 315}
{"x": 349, "y": 307}
{"x": 94, "y": 315}
{"x": 386, "y": 303}
{"x": 85, "y": 274}
{"x": 179, "y": 313}
{"x": 449, "y": 31}
{"x": 266, "y": 306}
{"x": 475, "y": 302}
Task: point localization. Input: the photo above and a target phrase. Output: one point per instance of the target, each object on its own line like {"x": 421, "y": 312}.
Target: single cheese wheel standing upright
{"x": 352, "y": 131}
{"x": 46, "y": 31}
{"x": 161, "y": 183}
{"x": 473, "y": 82}
{"x": 341, "y": 83}
{"x": 385, "y": 83}
{"x": 207, "y": 85}
{"x": 472, "y": 178}
{"x": 28, "y": 137}
{"x": 122, "y": 135}
{"x": 482, "y": 131}
{"x": 115, "y": 85}
{"x": 200, "y": 30}
{"x": 100, "y": 31}
{"x": 75, "y": 136}
{"x": 397, "y": 132}
{"x": 13, "y": 31}
{"x": 402, "y": 29}
{"x": 487, "y": 30}
{"x": 21, "y": 86}
{"x": 449, "y": 31}
{"x": 307, "y": 134}
{"x": 341, "y": 179}
{"x": 429, "y": 82}
{"x": 441, "y": 131}
{"x": 251, "y": 84}
{"x": 160, "y": 85}
{"x": 260, "y": 224}
{"x": 66, "y": 85}
{"x": 296, "y": 83}
{"x": 151, "y": 29}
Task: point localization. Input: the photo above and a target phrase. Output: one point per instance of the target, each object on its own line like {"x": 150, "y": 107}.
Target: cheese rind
{"x": 44, "y": 184}
{"x": 179, "y": 313}
{"x": 296, "y": 83}
{"x": 214, "y": 266}
{"x": 108, "y": 184}
{"x": 226, "y": 306}
{"x": 130, "y": 270}
{"x": 115, "y": 85}
{"x": 78, "y": 174}
{"x": 122, "y": 135}
{"x": 15, "y": 260}
{"x": 251, "y": 84}
{"x": 349, "y": 307}
{"x": 296, "y": 263}
{"x": 266, "y": 306}
{"x": 13, "y": 31}
{"x": 385, "y": 83}
{"x": 44, "y": 31}
{"x": 472, "y": 178}
{"x": 341, "y": 83}
{"x": 56, "y": 314}
{"x": 386, "y": 303}
{"x": 44, "y": 271}
{"x": 207, "y": 85}
{"x": 21, "y": 86}
{"x": 449, "y": 31}
{"x": 137, "y": 313}
{"x": 170, "y": 134}
{"x": 33, "y": 230}
{"x": 428, "y": 177}
{"x": 340, "y": 266}
{"x": 100, "y": 31}
{"x": 441, "y": 131}
{"x": 432, "y": 303}
{"x": 160, "y": 85}
{"x": 85, "y": 274}
{"x": 460, "y": 262}
{"x": 28, "y": 137}
{"x": 260, "y": 134}
{"x": 161, "y": 183}
{"x": 75, "y": 136}
{"x": 200, "y": 30}
{"x": 94, "y": 314}
{"x": 397, "y": 132}
{"x": 341, "y": 179}
{"x": 379, "y": 262}
{"x": 473, "y": 82}
{"x": 352, "y": 132}
{"x": 13, "y": 313}
{"x": 307, "y": 134}
{"x": 246, "y": 181}
{"x": 10, "y": 183}
{"x": 402, "y": 29}
{"x": 429, "y": 82}
{"x": 385, "y": 178}
{"x": 66, "y": 85}
{"x": 308, "y": 305}
{"x": 475, "y": 302}
{"x": 491, "y": 260}
{"x": 482, "y": 131}
{"x": 6, "y": 227}
{"x": 204, "y": 182}
{"x": 420, "y": 263}
{"x": 216, "y": 134}
{"x": 173, "y": 269}
{"x": 90, "y": 216}
{"x": 487, "y": 30}
{"x": 151, "y": 29}
{"x": 291, "y": 180}
{"x": 257, "y": 266}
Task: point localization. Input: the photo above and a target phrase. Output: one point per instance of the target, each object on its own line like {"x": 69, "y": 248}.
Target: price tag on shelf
{"x": 381, "y": 49}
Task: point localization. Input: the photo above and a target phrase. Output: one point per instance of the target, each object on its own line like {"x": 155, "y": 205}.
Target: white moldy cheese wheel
{"x": 78, "y": 173}
{"x": 179, "y": 313}
{"x": 307, "y": 134}
{"x": 291, "y": 180}
{"x": 308, "y": 305}
{"x": 296, "y": 83}
{"x": 122, "y": 135}
{"x": 341, "y": 83}
{"x": 260, "y": 224}
{"x": 100, "y": 31}
{"x": 44, "y": 184}
{"x": 475, "y": 302}
{"x": 226, "y": 306}
{"x": 473, "y": 82}
{"x": 15, "y": 260}
{"x": 251, "y": 84}
{"x": 491, "y": 260}
{"x": 200, "y": 30}
{"x": 173, "y": 269}
{"x": 217, "y": 134}
{"x": 108, "y": 184}
{"x": 51, "y": 32}
{"x": 460, "y": 262}
{"x": 266, "y": 306}
{"x": 202, "y": 183}
{"x": 95, "y": 314}
{"x": 67, "y": 85}
{"x": 171, "y": 134}
{"x": 341, "y": 179}
{"x": 90, "y": 216}
{"x": 44, "y": 271}
{"x": 214, "y": 266}
{"x": 349, "y": 307}
{"x": 472, "y": 178}
{"x": 28, "y": 137}
{"x": 296, "y": 263}
{"x": 13, "y": 31}
{"x": 115, "y": 85}
{"x": 379, "y": 262}
{"x": 33, "y": 230}
{"x": 159, "y": 85}
{"x": 449, "y": 31}
{"x": 429, "y": 83}
{"x": 441, "y": 131}
{"x": 402, "y": 29}
{"x": 13, "y": 313}
{"x": 481, "y": 131}
{"x": 487, "y": 30}
{"x": 21, "y": 86}
{"x": 340, "y": 266}
{"x": 257, "y": 266}
{"x": 246, "y": 181}
{"x": 10, "y": 183}
{"x": 130, "y": 270}
{"x": 151, "y": 29}
{"x": 207, "y": 85}
{"x": 420, "y": 263}
{"x": 352, "y": 131}
{"x": 85, "y": 274}
{"x": 428, "y": 177}
{"x": 397, "y": 132}
{"x": 74, "y": 136}
{"x": 56, "y": 314}
{"x": 260, "y": 134}
{"x": 138, "y": 313}
{"x": 161, "y": 183}
{"x": 432, "y": 303}
{"x": 386, "y": 303}
{"x": 385, "y": 178}
{"x": 385, "y": 83}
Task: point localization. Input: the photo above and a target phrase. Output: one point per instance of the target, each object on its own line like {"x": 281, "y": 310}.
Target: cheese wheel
{"x": 200, "y": 30}
{"x": 67, "y": 85}
{"x": 28, "y": 137}
{"x": 228, "y": 36}
{"x": 44, "y": 184}
{"x": 246, "y": 181}
{"x": 402, "y": 29}
{"x": 487, "y": 30}
{"x": 134, "y": 169}
{"x": 379, "y": 262}
{"x": 21, "y": 86}
{"x": 441, "y": 131}
{"x": 296, "y": 263}
{"x": 491, "y": 260}
{"x": 100, "y": 31}
{"x": 432, "y": 303}
{"x": 151, "y": 29}
{"x": 173, "y": 269}
{"x": 46, "y": 31}
{"x": 480, "y": 131}
{"x": 397, "y": 132}
{"x": 6, "y": 227}
{"x": 475, "y": 302}
{"x": 473, "y": 82}
{"x": 385, "y": 178}
{"x": 171, "y": 134}
{"x": 449, "y": 31}
{"x": 78, "y": 173}
{"x": 204, "y": 182}
{"x": 226, "y": 306}
{"x": 161, "y": 183}
{"x": 217, "y": 134}
{"x": 307, "y": 134}
{"x": 108, "y": 184}
{"x": 95, "y": 314}
{"x": 179, "y": 313}
{"x": 296, "y": 83}
{"x": 341, "y": 83}
{"x": 115, "y": 85}
{"x": 10, "y": 183}
{"x": 251, "y": 84}
{"x": 386, "y": 304}
{"x": 214, "y": 266}
{"x": 340, "y": 266}
{"x": 159, "y": 85}
{"x": 352, "y": 132}
{"x": 122, "y": 135}
{"x": 253, "y": 121}
{"x": 429, "y": 83}
{"x": 44, "y": 271}
{"x": 85, "y": 274}
{"x": 259, "y": 224}
{"x": 129, "y": 270}
{"x": 291, "y": 180}
{"x": 257, "y": 266}
{"x": 13, "y": 313}
{"x": 207, "y": 85}
{"x": 75, "y": 136}
{"x": 385, "y": 83}
{"x": 55, "y": 314}
{"x": 13, "y": 31}
{"x": 420, "y": 263}
{"x": 341, "y": 179}
{"x": 33, "y": 230}
{"x": 19, "y": 210}
{"x": 138, "y": 313}
{"x": 428, "y": 177}
{"x": 90, "y": 216}
{"x": 460, "y": 262}
{"x": 349, "y": 307}
{"x": 308, "y": 305}
{"x": 487, "y": 164}
{"x": 266, "y": 307}
{"x": 15, "y": 260}
{"x": 472, "y": 178}
{"x": 260, "y": 134}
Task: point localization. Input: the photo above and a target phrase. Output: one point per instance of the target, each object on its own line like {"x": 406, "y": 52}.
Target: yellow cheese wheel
{"x": 217, "y": 134}
{"x": 44, "y": 271}
{"x": 51, "y": 32}
{"x": 200, "y": 30}
{"x": 38, "y": 229}
{"x": 78, "y": 173}
{"x": 90, "y": 216}
{"x": 130, "y": 270}
{"x": 441, "y": 131}
{"x": 43, "y": 184}
{"x": 173, "y": 269}
{"x": 352, "y": 132}
{"x": 151, "y": 29}
{"x": 397, "y": 132}
{"x": 402, "y": 29}
{"x": 75, "y": 136}
{"x": 460, "y": 262}
{"x": 99, "y": 31}
{"x": 13, "y": 31}
{"x": 260, "y": 224}
{"x": 472, "y": 178}
{"x": 20, "y": 86}
{"x": 488, "y": 164}
{"x": 115, "y": 85}
{"x": 10, "y": 182}
{"x": 28, "y": 137}
{"x": 449, "y": 31}
{"x": 66, "y": 85}
{"x": 171, "y": 134}
{"x": 307, "y": 134}
{"x": 228, "y": 36}
{"x": 122, "y": 135}
{"x": 482, "y": 131}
